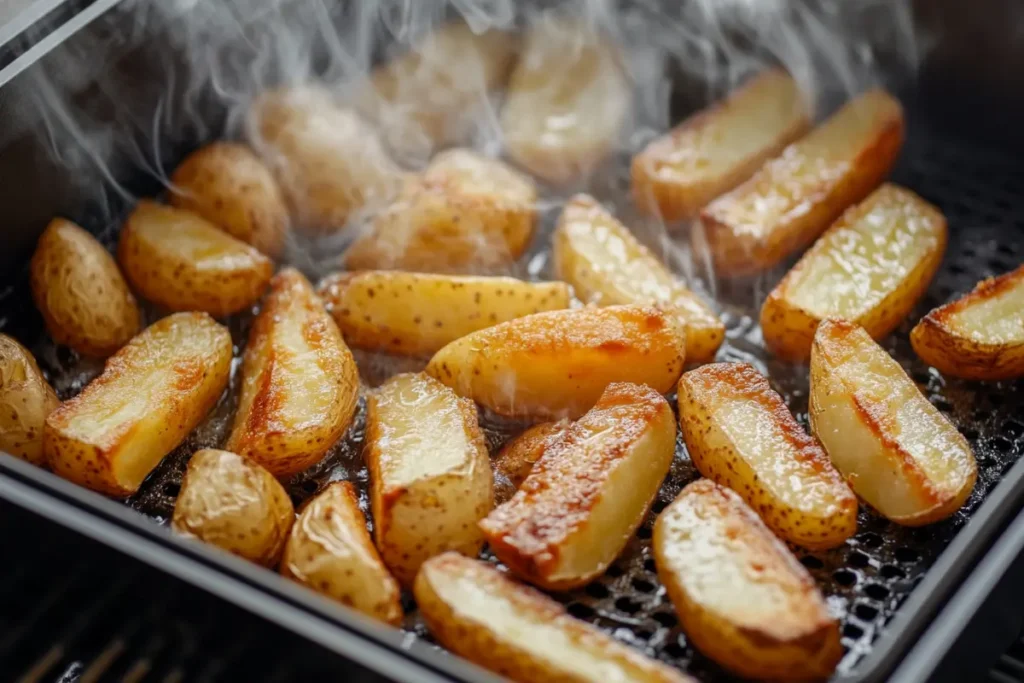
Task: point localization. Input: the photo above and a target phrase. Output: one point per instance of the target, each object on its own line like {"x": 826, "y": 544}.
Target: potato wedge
{"x": 299, "y": 381}
{"x": 416, "y": 314}
{"x": 740, "y": 434}
{"x": 329, "y": 163}
{"x": 606, "y": 265}
{"x": 179, "y": 261}
{"x": 228, "y": 185}
{"x": 151, "y": 394}
{"x": 233, "y": 503}
{"x": 26, "y": 399}
{"x": 330, "y": 551}
{"x": 516, "y": 458}
{"x": 870, "y": 268}
{"x": 430, "y": 475}
{"x": 567, "y": 101}
{"x": 466, "y": 213}
{"x": 742, "y": 598}
{"x": 789, "y": 202}
{"x": 899, "y": 453}
{"x": 716, "y": 149}
{"x": 557, "y": 364}
{"x": 481, "y": 614}
{"x": 590, "y": 491}
{"x": 980, "y": 335}
{"x": 81, "y": 294}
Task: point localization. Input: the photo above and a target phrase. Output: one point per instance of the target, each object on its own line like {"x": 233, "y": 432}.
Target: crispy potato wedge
{"x": 465, "y": 213}
{"x": 430, "y": 475}
{"x": 233, "y": 503}
{"x": 481, "y": 614}
{"x": 228, "y": 185}
{"x": 870, "y": 268}
{"x": 299, "y": 381}
{"x": 589, "y": 492}
{"x": 151, "y": 394}
{"x": 417, "y": 314}
{"x": 742, "y": 598}
{"x": 26, "y": 399}
{"x": 897, "y": 451}
{"x": 980, "y": 335}
{"x": 81, "y": 294}
{"x": 740, "y": 434}
{"x": 789, "y": 202}
{"x": 179, "y": 261}
{"x": 330, "y": 551}
{"x": 557, "y": 364}
{"x": 516, "y": 458}
{"x": 715, "y": 150}
{"x": 329, "y": 163}
{"x": 567, "y": 101}
{"x": 606, "y": 265}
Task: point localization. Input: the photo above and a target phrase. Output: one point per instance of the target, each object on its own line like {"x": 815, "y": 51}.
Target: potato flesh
{"x": 557, "y": 364}
{"x": 566, "y": 103}
{"x": 151, "y": 394}
{"x": 607, "y": 265}
{"x": 710, "y": 153}
{"x": 894, "y": 447}
{"x": 26, "y": 399}
{"x": 742, "y": 598}
{"x": 519, "y": 633}
{"x": 588, "y": 493}
{"x": 418, "y": 314}
{"x": 794, "y": 197}
{"x": 430, "y": 474}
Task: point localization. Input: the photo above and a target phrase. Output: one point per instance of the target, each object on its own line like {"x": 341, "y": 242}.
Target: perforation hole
{"x": 858, "y": 559}
{"x": 675, "y": 650}
{"x": 907, "y": 555}
{"x": 614, "y": 571}
{"x": 870, "y": 540}
{"x": 581, "y": 611}
{"x": 811, "y": 562}
{"x": 876, "y": 591}
{"x": 845, "y": 577}
{"x": 643, "y": 533}
{"x": 649, "y": 565}
{"x": 643, "y": 586}
{"x": 628, "y": 605}
{"x": 597, "y": 590}
{"x": 865, "y": 611}
{"x": 666, "y": 619}
{"x": 890, "y": 571}
{"x": 172, "y": 489}
{"x": 853, "y": 631}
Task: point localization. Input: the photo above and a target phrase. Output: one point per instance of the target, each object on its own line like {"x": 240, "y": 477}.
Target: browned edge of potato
{"x": 516, "y": 459}
{"x": 742, "y": 598}
{"x": 80, "y": 292}
{"x": 26, "y": 400}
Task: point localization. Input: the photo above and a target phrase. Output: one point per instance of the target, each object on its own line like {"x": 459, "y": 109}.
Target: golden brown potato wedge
{"x": 416, "y": 314}
{"x": 980, "y": 335}
{"x": 151, "y": 394}
{"x": 740, "y": 434}
{"x": 228, "y": 185}
{"x": 567, "y": 101}
{"x": 330, "y": 551}
{"x": 606, "y": 265}
{"x": 516, "y": 459}
{"x": 329, "y": 163}
{"x": 430, "y": 475}
{"x": 789, "y": 202}
{"x": 77, "y": 287}
{"x": 742, "y": 598}
{"x": 26, "y": 399}
{"x": 899, "y": 453}
{"x": 466, "y": 213}
{"x": 715, "y": 150}
{"x": 179, "y": 261}
{"x": 557, "y": 364}
{"x": 233, "y": 503}
{"x": 519, "y": 633}
{"x": 870, "y": 268}
{"x": 589, "y": 492}
{"x": 299, "y": 381}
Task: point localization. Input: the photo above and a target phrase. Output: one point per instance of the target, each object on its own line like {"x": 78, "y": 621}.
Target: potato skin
{"x": 299, "y": 381}
{"x": 417, "y": 314}
{"x": 711, "y": 548}
{"x": 557, "y": 364}
{"x": 821, "y": 512}
{"x": 151, "y": 394}
{"x": 517, "y": 457}
{"x": 228, "y": 185}
{"x": 82, "y": 296}
{"x": 179, "y": 261}
{"x": 233, "y": 503}
{"x": 330, "y": 551}
{"x": 483, "y": 615}
{"x": 26, "y": 399}
{"x": 943, "y": 342}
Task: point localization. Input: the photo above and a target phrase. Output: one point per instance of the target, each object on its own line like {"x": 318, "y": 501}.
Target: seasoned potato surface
{"x": 26, "y": 399}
